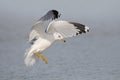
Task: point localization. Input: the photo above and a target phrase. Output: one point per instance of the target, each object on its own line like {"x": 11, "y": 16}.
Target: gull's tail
{"x": 30, "y": 59}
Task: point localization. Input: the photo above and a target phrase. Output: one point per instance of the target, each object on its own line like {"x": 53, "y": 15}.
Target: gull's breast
{"x": 41, "y": 44}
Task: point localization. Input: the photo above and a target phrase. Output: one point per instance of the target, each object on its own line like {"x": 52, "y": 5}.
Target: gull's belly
{"x": 41, "y": 45}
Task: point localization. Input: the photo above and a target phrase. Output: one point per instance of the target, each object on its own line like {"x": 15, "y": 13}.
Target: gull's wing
{"x": 67, "y": 29}
{"x": 52, "y": 14}
{"x": 38, "y": 29}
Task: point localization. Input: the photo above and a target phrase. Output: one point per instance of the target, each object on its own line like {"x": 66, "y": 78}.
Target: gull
{"x": 42, "y": 37}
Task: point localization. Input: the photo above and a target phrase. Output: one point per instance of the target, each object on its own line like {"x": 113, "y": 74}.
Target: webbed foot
{"x": 41, "y": 57}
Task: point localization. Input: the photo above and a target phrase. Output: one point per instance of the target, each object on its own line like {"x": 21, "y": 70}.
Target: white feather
{"x": 87, "y": 28}
{"x": 39, "y": 46}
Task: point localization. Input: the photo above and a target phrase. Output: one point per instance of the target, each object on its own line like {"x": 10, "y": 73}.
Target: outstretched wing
{"x": 67, "y": 29}
{"x": 51, "y": 14}
{"x": 38, "y": 29}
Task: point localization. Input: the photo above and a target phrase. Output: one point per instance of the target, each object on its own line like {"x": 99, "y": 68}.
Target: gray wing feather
{"x": 38, "y": 29}
{"x": 36, "y": 32}
{"x": 52, "y": 14}
{"x": 47, "y": 16}
{"x": 67, "y": 29}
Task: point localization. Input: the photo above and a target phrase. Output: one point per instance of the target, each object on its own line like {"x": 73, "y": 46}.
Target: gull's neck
{"x": 50, "y": 37}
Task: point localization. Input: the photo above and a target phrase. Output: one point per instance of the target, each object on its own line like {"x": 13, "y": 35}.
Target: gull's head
{"x": 58, "y": 36}
{"x": 56, "y": 14}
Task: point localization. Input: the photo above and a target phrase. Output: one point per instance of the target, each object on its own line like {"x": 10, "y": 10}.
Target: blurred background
{"x": 91, "y": 56}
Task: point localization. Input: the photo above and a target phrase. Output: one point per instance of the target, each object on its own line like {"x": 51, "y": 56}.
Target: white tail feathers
{"x": 30, "y": 59}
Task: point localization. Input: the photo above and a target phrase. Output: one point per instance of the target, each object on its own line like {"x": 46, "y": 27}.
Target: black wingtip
{"x": 82, "y": 28}
{"x": 56, "y": 14}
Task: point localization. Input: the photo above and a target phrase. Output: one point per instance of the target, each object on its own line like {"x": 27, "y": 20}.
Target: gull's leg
{"x": 41, "y": 57}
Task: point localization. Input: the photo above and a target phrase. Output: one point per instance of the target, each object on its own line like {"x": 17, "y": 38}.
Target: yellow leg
{"x": 41, "y": 57}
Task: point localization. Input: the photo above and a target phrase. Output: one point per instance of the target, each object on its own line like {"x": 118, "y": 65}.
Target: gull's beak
{"x": 63, "y": 40}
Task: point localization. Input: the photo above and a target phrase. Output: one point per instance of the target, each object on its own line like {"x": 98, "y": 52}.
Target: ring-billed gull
{"x": 41, "y": 38}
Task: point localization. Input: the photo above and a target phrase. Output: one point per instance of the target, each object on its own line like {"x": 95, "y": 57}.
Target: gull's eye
{"x": 59, "y": 36}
